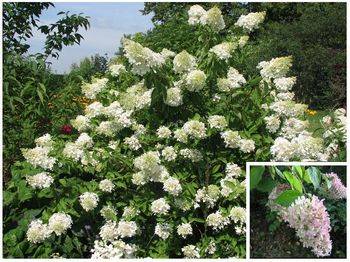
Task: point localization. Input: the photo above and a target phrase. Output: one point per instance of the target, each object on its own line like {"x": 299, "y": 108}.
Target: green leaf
{"x": 266, "y": 185}
{"x": 314, "y": 175}
{"x": 256, "y": 173}
{"x": 294, "y": 181}
{"x": 287, "y": 197}
{"x": 298, "y": 170}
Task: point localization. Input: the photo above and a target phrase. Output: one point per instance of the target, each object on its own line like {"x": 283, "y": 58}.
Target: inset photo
{"x": 297, "y": 211}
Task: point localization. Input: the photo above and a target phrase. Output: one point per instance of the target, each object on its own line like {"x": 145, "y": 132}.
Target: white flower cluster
{"x": 184, "y": 62}
{"x": 116, "y": 69}
{"x": 238, "y": 216}
{"x": 81, "y": 123}
{"x": 195, "y": 129}
{"x": 233, "y": 172}
{"x": 163, "y": 132}
{"x": 217, "y": 221}
{"x": 40, "y": 181}
{"x": 184, "y": 230}
{"x": 88, "y": 201}
{"x": 251, "y": 21}
{"x": 190, "y": 251}
{"x": 335, "y": 125}
{"x": 163, "y": 230}
{"x": 208, "y": 195}
{"x": 234, "y": 80}
{"x": 133, "y": 142}
{"x": 141, "y": 58}
{"x": 233, "y": 140}
{"x": 106, "y": 185}
{"x": 39, "y": 155}
{"x": 172, "y": 186}
{"x": 169, "y": 153}
{"x": 174, "y": 97}
{"x": 217, "y": 122}
{"x": 213, "y": 17}
{"x": 91, "y": 90}
{"x": 59, "y": 223}
{"x": 192, "y": 154}
{"x": 75, "y": 150}
{"x": 224, "y": 50}
{"x": 194, "y": 80}
{"x": 135, "y": 98}
{"x": 160, "y": 207}
{"x": 112, "y": 250}
{"x": 275, "y": 68}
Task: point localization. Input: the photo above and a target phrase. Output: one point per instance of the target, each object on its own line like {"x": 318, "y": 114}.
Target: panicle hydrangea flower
{"x": 142, "y": 58}
{"x": 242, "y": 41}
{"x": 88, "y": 201}
{"x": 284, "y": 84}
{"x": 193, "y": 154}
{"x": 195, "y": 80}
{"x": 190, "y": 251}
{"x": 84, "y": 140}
{"x": 246, "y": 145}
{"x": 167, "y": 53}
{"x": 160, "y": 206}
{"x": 337, "y": 189}
{"x": 133, "y": 142}
{"x": 173, "y": 186}
{"x": 292, "y": 127}
{"x": 40, "y": 180}
{"x": 217, "y": 221}
{"x": 169, "y": 153}
{"x": 59, "y": 223}
{"x": 224, "y": 50}
{"x": 180, "y": 135}
{"x": 139, "y": 129}
{"x": 148, "y": 161}
{"x": 94, "y": 109}
{"x": 44, "y": 141}
{"x": 163, "y": 132}
{"x": 73, "y": 151}
{"x": 275, "y": 68}
{"x": 90, "y": 90}
{"x": 126, "y": 229}
{"x": 234, "y": 80}
{"x": 273, "y": 123}
{"x": 184, "y": 230}
{"x": 116, "y": 69}
{"x": 195, "y": 129}
{"x": 208, "y": 195}
{"x": 130, "y": 211}
{"x": 214, "y": 19}
{"x": 139, "y": 178}
{"x": 251, "y": 21}
{"x": 288, "y": 108}
{"x": 195, "y": 13}
{"x": 238, "y": 215}
{"x": 307, "y": 147}
{"x": 211, "y": 248}
{"x": 217, "y": 122}
{"x": 282, "y": 149}
{"x": 108, "y": 231}
{"x": 287, "y": 96}
{"x": 81, "y": 123}
{"x": 163, "y": 230}
{"x": 39, "y": 156}
{"x": 233, "y": 170}
{"x": 174, "y": 97}
{"x": 38, "y": 231}
{"x": 231, "y": 138}
{"x": 106, "y": 185}
{"x": 310, "y": 219}
{"x": 106, "y": 128}
{"x": 184, "y": 62}
{"x": 112, "y": 250}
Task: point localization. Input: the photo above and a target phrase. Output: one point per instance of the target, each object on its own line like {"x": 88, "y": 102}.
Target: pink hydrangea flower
{"x": 337, "y": 189}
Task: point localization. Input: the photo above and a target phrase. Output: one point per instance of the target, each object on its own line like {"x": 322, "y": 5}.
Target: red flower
{"x": 66, "y": 129}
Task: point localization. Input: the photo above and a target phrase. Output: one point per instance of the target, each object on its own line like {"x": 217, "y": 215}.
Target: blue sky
{"x": 108, "y": 23}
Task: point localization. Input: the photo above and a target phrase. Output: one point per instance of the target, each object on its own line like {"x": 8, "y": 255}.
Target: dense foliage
{"x": 29, "y": 88}
{"x": 313, "y": 33}
{"x": 310, "y": 200}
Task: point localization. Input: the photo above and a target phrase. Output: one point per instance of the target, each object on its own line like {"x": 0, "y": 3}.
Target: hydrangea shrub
{"x": 154, "y": 166}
